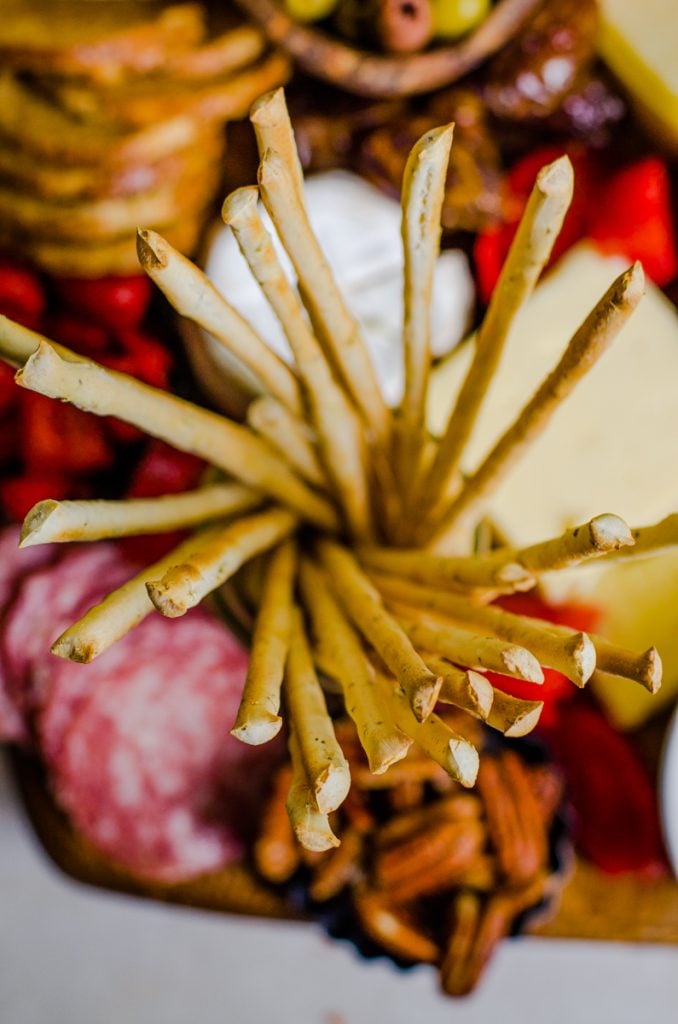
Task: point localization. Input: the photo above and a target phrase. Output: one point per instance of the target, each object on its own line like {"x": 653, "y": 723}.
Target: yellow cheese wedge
{"x": 612, "y": 447}
{"x": 639, "y": 41}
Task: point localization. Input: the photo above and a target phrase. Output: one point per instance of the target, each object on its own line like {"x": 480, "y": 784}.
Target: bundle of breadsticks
{"x": 336, "y": 515}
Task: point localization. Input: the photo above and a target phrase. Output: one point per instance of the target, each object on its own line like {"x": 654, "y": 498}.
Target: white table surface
{"x": 70, "y": 954}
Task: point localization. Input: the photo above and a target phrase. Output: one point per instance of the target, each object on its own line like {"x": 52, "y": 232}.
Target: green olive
{"x": 454, "y": 18}
{"x": 310, "y": 10}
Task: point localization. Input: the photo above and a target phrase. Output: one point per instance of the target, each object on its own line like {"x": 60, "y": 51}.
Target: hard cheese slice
{"x": 639, "y": 41}
{"x": 612, "y": 447}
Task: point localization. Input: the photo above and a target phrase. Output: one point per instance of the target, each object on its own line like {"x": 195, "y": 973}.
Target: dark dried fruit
{"x": 474, "y": 195}
{"x": 531, "y": 77}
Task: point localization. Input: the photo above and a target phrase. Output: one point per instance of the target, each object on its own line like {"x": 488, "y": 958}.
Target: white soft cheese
{"x": 359, "y": 229}
{"x": 612, "y": 447}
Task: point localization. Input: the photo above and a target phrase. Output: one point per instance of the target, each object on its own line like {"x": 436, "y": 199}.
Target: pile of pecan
{"x": 435, "y": 873}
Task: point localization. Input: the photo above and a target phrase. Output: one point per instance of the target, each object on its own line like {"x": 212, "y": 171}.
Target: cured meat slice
{"x": 15, "y": 564}
{"x": 48, "y": 601}
{"x": 144, "y": 764}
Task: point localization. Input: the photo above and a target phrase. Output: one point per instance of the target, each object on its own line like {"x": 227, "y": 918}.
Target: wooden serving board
{"x": 622, "y": 908}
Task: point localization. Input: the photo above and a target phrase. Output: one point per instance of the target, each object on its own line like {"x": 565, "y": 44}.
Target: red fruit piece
{"x": 21, "y": 294}
{"x": 8, "y": 389}
{"x": 118, "y": 303}
{"x": 19, "y": 494}
{"x": 634, "y": 218}
{"x": 492, "y": 245}
{"x": 616, "y": 816}
{"x": 162, "y": 470}
{"x": 81, "y": 335}
{"x": 147, "y": 358}
{"x": 556, "y": 687}
{"x": 56, "y": 436}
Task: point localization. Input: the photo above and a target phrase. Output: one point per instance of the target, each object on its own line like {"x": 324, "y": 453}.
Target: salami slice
{"x": 15, "y": 565}
{"x": 144, "y": 764}
{"x": 47, "y": 601}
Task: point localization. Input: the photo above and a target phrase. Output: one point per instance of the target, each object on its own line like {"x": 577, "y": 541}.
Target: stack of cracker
{"x": 112, "y": 114}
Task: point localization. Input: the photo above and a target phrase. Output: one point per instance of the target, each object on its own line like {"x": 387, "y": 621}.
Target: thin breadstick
{"x": 529, "y": 253}
{"x": 587, "y": 345}
{"x": 258, "y": 720}
{"x": 290, "y": 436}
{"x": 224, "y": 444}
{"x": 123, "y": 609}
{"x": 337, "y": 426}
{"x": 464, "y": 647}
{"x": 337, "y": 329}
{"x": 423, "y": 192}
{"x": 566, "y": 650}
{"x": 645, "y": 668}
{"x": 273, "y": 129}
{"x": 599, "y": 536}
{"x": 310, "y": 826}
{"x": 381, "y": 741}
{"x": 51, "y": 522}
{"x": 363, "y": 605}
{"x": 512, "y": 716}
{"x": 463, "y": 688}
{"x": 185, "y": 584}
{"x": 324, "y": 763}
{"x": 452, "y": 752}
{"x": 194, "y": 296}
{"x": 460, "y": 573}
{"x": 18, "y": 343}
{"x": 651, "y": 540}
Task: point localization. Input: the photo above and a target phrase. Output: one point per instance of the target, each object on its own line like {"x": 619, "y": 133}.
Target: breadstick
{"x": 194, "y": 296}
{"x": 324, "y": 763}
{"x": 289, "y": 436}
{"x": 310, "y": 826}
{"x": 452, "y": 752}
{"x": 513, "y": 716}
{"x": 587, "y": 345}
{"x": 258, "y": 720}
{"x": 651, "y": 540}
{"x": 337, "y": 329}
{"x": 645, "y": 668}
{"x": 529, "y": 253}
{"x": 18, "y": 343}
{"x": 464, "y": 647}
{"x": 380, "y": 740}
{"x": 273, "y": 129}
{"x": 51, "y": 522}
{"x": 599, "y": 536}
{"x": 224, "y": 444}
{"x": 123, "y": 609}
{"x": 363, "y": 605}
{"x": 460, "y": 573}
{"x": 185, "y": 584}
{"x": 468, "y": 690}
{"x": 336, "y": 424}
{"x": 423, "y": 191}
{"x": 566, "y": 650}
